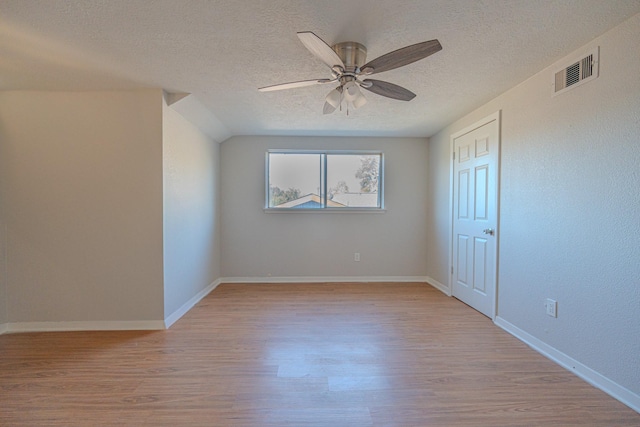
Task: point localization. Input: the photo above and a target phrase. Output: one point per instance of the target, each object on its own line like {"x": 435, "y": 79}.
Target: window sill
{"x": 325, "y": 211}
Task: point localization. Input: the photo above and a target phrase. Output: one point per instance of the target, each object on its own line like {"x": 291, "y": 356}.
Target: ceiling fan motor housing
{"x": 354, "y": 55}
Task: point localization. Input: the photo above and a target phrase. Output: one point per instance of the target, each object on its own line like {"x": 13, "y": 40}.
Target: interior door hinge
{"x": 454, "y": 155}
{"x": 451, "y": 269}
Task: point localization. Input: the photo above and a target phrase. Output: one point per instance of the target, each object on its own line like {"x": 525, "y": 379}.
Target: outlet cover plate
{"x": 552, "y": 307}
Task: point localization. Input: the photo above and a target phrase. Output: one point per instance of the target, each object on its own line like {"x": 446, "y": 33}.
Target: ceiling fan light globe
{"x": 333, "y": 98}
{"x": 351, "y": 91}
{"x": 359, "y": 101}
{"x": 328, "y": 108}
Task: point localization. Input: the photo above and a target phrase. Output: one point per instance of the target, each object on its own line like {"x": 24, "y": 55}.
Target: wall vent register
{"x": 581, "y": 71}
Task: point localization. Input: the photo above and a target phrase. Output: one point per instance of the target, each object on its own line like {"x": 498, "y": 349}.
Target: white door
{"x": 475, "y": 214}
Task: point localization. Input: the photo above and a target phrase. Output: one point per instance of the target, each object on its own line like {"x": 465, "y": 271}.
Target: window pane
{"x": 353, "y": 180}
{"x": 294, "y": 181}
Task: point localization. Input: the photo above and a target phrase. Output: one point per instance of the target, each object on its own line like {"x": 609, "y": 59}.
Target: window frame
{"x": 323, "y": 182}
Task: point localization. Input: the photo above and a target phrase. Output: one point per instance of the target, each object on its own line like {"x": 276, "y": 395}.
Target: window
{"x": 334, "y": 180}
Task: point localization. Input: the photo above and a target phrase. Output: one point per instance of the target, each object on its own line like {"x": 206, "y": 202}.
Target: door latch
{"x": 489, "y": 231}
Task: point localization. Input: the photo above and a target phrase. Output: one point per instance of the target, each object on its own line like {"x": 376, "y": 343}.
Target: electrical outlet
{"x": 356, "y": 256}
{"x": 552, "y": 307}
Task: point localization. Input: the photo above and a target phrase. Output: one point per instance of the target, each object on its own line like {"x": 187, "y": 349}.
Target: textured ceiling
{"x": 221, "y": 51}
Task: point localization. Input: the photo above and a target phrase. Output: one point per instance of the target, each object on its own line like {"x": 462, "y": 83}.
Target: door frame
{"x": 497, "y": 116}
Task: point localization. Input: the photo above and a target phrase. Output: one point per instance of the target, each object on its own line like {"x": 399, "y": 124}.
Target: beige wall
{"x": 191, "y": 210}
{"x": 81, "y": 192}
{"x": 262, "y": 245}
{"x": 4, "y": 304}
{"x": 569, "y": 223}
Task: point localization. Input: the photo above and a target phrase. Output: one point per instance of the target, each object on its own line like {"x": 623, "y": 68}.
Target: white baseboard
{"x": 133, "y": 325}
{"x": 325, "y": 279}
{"x": 176, "y": 315}
{"x": 594, "y": 378}
{"x": 439, "y": 286}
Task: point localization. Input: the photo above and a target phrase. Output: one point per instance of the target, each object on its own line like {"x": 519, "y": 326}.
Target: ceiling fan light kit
{"x": 347, "y": 61}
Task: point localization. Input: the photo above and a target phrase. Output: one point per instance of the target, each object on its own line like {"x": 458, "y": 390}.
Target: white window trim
{"x": 325, "y": 210}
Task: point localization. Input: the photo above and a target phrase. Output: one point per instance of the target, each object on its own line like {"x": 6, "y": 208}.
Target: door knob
{"x": 489, "y": 231}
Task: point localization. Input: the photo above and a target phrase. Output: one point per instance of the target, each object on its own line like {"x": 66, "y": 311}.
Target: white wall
{"x": 259, "y": 244}
{"x": 570, "y": 222}
{"x": 81, "y": 192}
{"x": 191, "y": 211}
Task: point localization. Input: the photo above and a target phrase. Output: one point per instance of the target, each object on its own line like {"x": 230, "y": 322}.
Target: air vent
{"x": 579, "y": 72}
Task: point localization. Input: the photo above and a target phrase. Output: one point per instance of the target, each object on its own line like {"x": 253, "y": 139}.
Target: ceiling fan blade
{"x": 320, "y": 49}
{"x": 401, "y": 57}
{"x": 293, "y": 85}
{"x": 388, "y": 89}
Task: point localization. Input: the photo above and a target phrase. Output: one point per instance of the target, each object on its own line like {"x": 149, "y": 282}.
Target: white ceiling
{"x": 221, "y": 51}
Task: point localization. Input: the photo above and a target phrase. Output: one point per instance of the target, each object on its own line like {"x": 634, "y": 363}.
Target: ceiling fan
{"x": 348, "y": 68}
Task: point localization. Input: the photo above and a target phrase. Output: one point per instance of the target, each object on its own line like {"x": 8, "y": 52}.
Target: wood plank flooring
{"x": 374, "y": 354}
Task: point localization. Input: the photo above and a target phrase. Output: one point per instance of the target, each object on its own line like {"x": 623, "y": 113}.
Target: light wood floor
{"x": 299, "y": 355}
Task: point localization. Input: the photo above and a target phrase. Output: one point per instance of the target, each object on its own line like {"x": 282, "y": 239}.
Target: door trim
{"x": 497, "y": 116}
